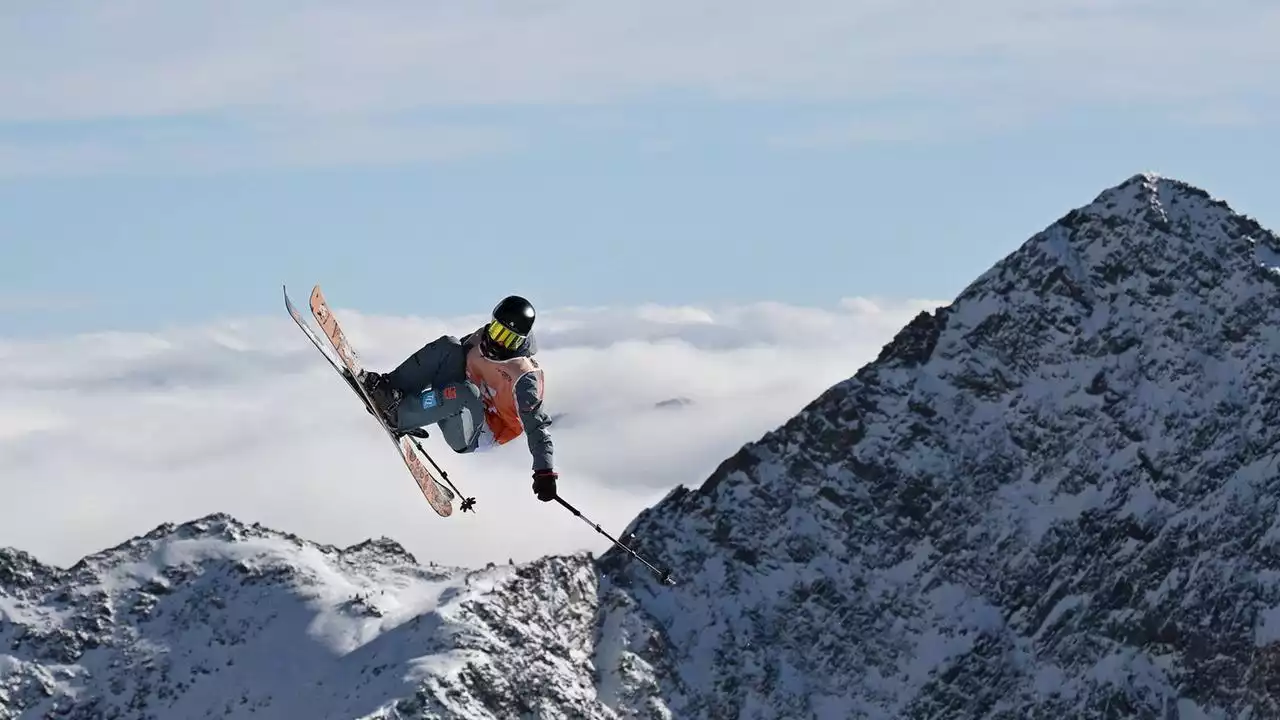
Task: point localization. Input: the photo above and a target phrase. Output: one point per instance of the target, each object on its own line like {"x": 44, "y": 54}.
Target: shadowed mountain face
{"x": 1055, "y": 497}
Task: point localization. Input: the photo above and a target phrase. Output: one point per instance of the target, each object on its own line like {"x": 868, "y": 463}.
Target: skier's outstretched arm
{"x": 536, "y": 422}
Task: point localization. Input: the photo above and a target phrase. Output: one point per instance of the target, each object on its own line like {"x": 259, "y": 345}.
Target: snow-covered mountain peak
{"x": 1136, "y": 236}
{"x": 1042, "y": 499}
{"x": 1153, "y": 198}
{"x": 218, "y": 618}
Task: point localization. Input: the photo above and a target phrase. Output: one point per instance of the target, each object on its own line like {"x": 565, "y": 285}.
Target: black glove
{"x": 544, "y": 484}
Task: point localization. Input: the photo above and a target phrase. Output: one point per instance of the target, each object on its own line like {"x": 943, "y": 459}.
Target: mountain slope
{"x": 1056, "y": 496}
{"x": 214, "y": 618}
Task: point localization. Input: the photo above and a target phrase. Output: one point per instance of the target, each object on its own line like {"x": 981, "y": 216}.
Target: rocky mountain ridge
{"x": 1054, "y": 497}
{"x": 216, "y": 618}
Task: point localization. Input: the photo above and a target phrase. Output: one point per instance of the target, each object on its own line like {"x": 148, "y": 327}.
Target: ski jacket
{"x": 513, "y": 403}
{"x": 512, "y": 392}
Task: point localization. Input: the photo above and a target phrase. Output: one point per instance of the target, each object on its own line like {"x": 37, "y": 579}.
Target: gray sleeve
{"x": 536, "y": 423}
{"x": 439, "y": 362}
{"x": 472, "y": 339}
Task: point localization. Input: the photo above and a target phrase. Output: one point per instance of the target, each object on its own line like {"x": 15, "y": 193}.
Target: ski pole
{"x": 468, "y": 503}
{"x": 664, "y": 576}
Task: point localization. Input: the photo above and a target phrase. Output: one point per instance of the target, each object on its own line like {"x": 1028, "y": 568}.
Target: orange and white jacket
{"x": 512, "y": 391}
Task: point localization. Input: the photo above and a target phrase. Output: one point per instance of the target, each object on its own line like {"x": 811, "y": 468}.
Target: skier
{"x": 483, "y": 390}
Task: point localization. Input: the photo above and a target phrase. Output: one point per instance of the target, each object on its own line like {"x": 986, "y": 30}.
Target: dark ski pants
{"x": 437, "y": 392}
{"x": 455, "y": 407}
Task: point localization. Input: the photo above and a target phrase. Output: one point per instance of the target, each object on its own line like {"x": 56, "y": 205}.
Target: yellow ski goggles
{"x": 504, "y": 336}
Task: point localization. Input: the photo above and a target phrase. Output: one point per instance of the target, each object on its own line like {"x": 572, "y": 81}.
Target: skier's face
{"x": 493, "y": 350}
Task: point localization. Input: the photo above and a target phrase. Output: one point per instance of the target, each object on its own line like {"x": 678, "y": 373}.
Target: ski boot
{"x": 384, "y": 397}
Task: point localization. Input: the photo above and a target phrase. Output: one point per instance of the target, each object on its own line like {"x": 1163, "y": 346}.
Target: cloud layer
{"x": 325, "y": 83}
{"x": 148, "y": 57}
{"x": 104, "y": 436}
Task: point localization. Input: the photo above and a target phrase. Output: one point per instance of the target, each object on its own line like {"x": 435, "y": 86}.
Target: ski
{"x": 342, "y": 357}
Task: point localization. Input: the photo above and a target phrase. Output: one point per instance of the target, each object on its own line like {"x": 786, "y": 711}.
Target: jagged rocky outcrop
{"x": 1054, "y": 497}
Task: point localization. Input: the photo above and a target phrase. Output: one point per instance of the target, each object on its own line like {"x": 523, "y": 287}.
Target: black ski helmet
{"x": 509, "y": 328}
{"x": 516, "y": 314}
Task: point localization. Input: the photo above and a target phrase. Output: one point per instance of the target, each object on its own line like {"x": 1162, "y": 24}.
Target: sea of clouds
{"x": 104, "y": 436}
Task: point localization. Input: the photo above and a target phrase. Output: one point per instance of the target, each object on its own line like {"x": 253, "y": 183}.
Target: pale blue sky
{"x": 170, "y": 163}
